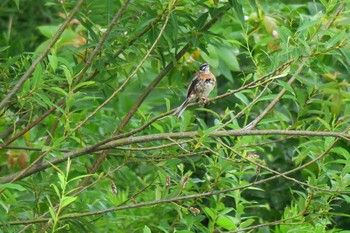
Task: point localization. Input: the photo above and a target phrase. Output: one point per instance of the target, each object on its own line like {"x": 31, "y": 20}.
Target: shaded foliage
{"x": 69, "y": 159}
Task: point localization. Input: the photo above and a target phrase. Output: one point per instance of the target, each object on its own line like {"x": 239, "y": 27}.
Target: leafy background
{"x": 89, "y": 142}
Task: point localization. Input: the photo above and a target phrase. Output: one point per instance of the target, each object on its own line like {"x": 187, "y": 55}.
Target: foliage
{"x": 89, "y": 142}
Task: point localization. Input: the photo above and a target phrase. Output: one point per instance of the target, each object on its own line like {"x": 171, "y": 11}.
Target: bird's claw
{"x": 204, "y": 99}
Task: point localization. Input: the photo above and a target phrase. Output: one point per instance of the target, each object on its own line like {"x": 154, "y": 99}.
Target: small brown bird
{"x": 201, "y": 86}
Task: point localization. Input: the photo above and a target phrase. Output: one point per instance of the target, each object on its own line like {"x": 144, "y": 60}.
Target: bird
{"x": 200, "y": 87}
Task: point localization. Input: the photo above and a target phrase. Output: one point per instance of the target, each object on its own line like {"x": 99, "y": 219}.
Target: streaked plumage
{"x": 201, "y": 86}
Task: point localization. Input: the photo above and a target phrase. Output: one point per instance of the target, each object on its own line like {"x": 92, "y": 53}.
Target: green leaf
{"x": 12, "y": 186}
{"x": 37, "y": 76}
{"x": 53, "y": 62}
{"x": 335, "y": 38}
{"x": 48, "y": 31}
{"x": 146, "y": 229}
{"x": 65, "y": 201}
{"x": 58, "y": 90}
{"x": 83, "y": 84}
{"x": 17, "y": 3}
{"x": 52, "y": 210}
{"x": 67, "y": 74}
{"x": 56, "y": 190}
{"x": 242, "y": 97}
{"x": 80, "y": 177}
{"x": 237, "y": 6}
{"x": 247, "y": 223}
{"x": 158, "y": 127}
{"x": 52, "y": 213}
{"x": 4, "y": 48}
{"x": 210, "y": 213}
{"x": 341, "y": 151}
{"x": 167, "y": 104}
{"x": 201, "y": 20}
{"x": 229, "y": 57}
{"x": 158, "y": 192}
{"x": 227, "y": 222}
{"x": 324, "y": 123}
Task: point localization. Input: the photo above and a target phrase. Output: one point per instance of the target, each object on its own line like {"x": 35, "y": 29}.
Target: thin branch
{"x": 47, "y": 49}
{"x": 77, "y": 80}
{"x": 127, "y": 80}
{"x": 174, "y": 143}
{"x": 252, "y": 124}
{"x": 271, "y": 170}
{"x": 229, "y": 93}
{"x": 166, "y": 136}
{"x": 103, "y": 38}
{"x": 293, "y": 78}
{"x": 182, "y": 198}
{"x": 220, "y": 133}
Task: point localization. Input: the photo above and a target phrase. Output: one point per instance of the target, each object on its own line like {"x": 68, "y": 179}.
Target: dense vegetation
{"x": 88, "y": 142}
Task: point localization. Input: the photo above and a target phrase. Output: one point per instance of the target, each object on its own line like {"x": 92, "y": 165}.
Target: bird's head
{"x": 204, "y": 68}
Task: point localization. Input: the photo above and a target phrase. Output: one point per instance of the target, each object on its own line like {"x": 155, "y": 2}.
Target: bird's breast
{"x": 208, "y": 86}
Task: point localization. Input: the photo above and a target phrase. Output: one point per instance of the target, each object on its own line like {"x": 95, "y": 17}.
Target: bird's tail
{"x": 181, "y": 109}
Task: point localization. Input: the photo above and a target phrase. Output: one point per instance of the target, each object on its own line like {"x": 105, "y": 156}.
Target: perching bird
{"x": 201, "y": 86}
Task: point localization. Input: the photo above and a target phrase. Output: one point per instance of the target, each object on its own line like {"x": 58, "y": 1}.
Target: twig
{"x": 153, "y": 84}
{"x": 252, "y": 124}
{"x": 103, "y": 155}
{"x": 126, "y": 81}
{"x": 271, "y": 170}
{"x": 78, "y": 78}
{"x": 182, "y": 198}
{"x": 293, "y": 78}
{"x": 103, "y": 38}
{"x": 47, "y": 49}
{"x": 166, "y": 136}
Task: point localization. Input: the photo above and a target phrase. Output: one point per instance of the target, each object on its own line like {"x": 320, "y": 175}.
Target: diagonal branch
{"x": 78, "y": 78}
{"x": 293, "y": 78}
{"x": 31, "y": 69}
{"x": 152, "y": 85}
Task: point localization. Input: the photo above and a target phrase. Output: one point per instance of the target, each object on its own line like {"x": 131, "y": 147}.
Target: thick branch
{"x": 167, "y": 136}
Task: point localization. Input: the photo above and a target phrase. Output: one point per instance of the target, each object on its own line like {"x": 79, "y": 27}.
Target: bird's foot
{"x": 204, "y": 99}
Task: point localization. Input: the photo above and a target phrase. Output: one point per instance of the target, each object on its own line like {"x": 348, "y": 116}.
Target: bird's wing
{"x": 194, "y": 82}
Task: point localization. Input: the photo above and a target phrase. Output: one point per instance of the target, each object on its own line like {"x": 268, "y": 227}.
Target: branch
{"x": 127, "y": 80}
{"x": 47, "y": 49}
{"x": 183, "y": 198}
{"x": 221, "y": 133}
{"x": 293, "y": 78}
{"x": 166, "y": 136}
{"x": 252, "y": 124}
{"x": 152, "y": 85}
{"x": 78, "y": 79}
{"x": 104, "y": 154}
